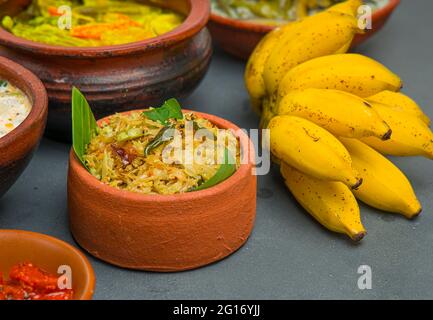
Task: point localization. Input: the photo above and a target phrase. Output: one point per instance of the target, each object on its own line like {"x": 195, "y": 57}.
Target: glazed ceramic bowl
{"x": 163, "y": 233}
{"x": 239, "y": 38}
{"x": 49, "y": 254}
{"x": 117, "y": 78}
{"x": 18, "y": 146}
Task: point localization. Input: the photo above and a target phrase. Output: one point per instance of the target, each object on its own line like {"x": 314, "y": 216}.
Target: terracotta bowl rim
{"x": 87, "y": 267}
{"x": 244, "y": 169}
{"x": 262, "y": 28}
{"x": 194, "y": 23}
{"x": 39, "y": 100}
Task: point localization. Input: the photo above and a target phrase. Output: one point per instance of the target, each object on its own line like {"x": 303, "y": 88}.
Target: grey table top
{"x": 289, "y": 255}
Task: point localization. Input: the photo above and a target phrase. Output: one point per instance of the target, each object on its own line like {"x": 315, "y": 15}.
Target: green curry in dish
{"x": 276, "y": 12}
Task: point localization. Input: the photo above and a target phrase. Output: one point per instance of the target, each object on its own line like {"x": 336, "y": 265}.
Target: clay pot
{"x": 49, "y": 254}
{"x": 239, "y": 38}
{"x": 162, "y": 232}
{"x": 117, "y": 78}
{"x": 18, "y": 146}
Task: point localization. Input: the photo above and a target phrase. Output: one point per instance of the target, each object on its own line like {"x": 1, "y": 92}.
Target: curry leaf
{"x": 169, "y": 110}
{"x": 226, "y": 170}
{"x": 84, "y": 126}
{"x": 164, "y": 135}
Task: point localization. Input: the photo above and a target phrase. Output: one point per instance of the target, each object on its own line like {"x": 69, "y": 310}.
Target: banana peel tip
{"x": 357, "y": 184}
{"x": 414, "y": 215}
{"x": 358, "y": 236}
{"x": 387, "y": 135}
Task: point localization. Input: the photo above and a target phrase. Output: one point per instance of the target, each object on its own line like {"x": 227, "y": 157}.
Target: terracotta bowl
{"x": 239, "y": 38}
{"x": 163, "y": 233}
{"x": 49, "y": 254}
{"x": 18, "y": 146}
{"x": 115, "y": 78}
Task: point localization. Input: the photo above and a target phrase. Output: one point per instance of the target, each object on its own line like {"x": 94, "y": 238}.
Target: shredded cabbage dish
{"x": 128, "y": 153}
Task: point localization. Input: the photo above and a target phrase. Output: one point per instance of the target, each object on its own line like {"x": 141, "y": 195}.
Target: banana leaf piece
{"x": 225, "y": 171}
{"x": 164, "y": 135}
{"x": 84, "y": 126}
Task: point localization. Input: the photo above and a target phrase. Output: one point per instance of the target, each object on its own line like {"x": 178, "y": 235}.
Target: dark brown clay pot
{"x": 49, "y": 254}
{"x": 239, "y": 38}
{"x": 162, "y": 232}
{"x": 117, "y": 78}
{"x": 18, "y": 146}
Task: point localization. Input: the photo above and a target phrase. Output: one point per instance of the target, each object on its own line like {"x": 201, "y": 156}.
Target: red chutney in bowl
{"x": 28, "y": 282}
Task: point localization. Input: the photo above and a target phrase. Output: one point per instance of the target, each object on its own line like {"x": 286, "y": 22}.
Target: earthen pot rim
{"x": 38, "y": 98}
{"x": 89, "y": 286}
{"x": 244, "y": 169}
{"x": 262, "y": 28}
{"x": 193, "y": 24}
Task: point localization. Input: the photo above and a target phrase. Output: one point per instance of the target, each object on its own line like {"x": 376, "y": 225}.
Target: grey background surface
{"x": 289, "y": 255}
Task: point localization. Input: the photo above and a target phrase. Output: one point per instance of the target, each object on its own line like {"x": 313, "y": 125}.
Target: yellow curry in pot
{"x": 90, "y": 23}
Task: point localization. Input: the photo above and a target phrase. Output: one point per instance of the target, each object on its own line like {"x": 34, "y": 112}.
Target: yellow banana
{"x": 330, "y": 203}
{"x": 347, "y": 7}
{"x": 256, "y": 64}
{"x": 400, "y": 102}
{"x": 312, "y": 150}
{"x": 318, "y": 35}
{"x": 341, "y": 113}
{"x": 410, "y": 135}
{"x": 384, "y": 186}
{"x": 343, "y": 49}
{"x": 353, "y": 73}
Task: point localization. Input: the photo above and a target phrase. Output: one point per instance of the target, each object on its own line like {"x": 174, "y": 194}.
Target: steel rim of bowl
{"x": 89, "y": 179}
{"x": 262, "y": 28}
{"x": 89, "y": 286}
{"x": 193, "y": 24}
{"x": 39, "y": 99}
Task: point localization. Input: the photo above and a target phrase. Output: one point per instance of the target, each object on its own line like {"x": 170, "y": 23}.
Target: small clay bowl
{"x": 116, "y": 78}
{"x": 239, "y": 38}
{"x": 49, "y": 254}
{"x": 164, "y": 233}
{"x": 18, "y": 146}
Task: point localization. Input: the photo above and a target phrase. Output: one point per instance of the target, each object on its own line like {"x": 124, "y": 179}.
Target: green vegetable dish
{"x": 158, "y": 151}
{"x": 90, "y": 23}
{"x": 275, "y": 12}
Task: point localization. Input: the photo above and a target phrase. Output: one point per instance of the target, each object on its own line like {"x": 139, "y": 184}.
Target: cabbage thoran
{"x": 128, "y": 153}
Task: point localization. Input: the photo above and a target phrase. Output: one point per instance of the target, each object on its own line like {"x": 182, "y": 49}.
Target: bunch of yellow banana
{"x": 332, "y": 115}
